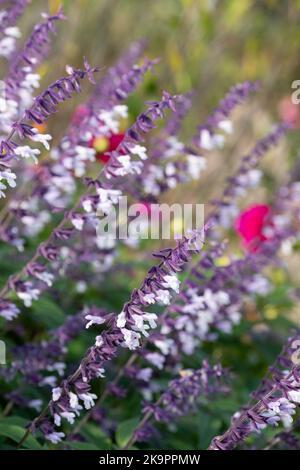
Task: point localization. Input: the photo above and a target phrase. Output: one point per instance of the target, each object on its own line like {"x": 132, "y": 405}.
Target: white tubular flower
{"x": 88, "y": 400}
{"x": 196, "y": 165}
{"x": 226, "y": 126}
{"x": 93, "y": 320}
{"x": 57, "y": 420}
{"x": 78, "y": 223}
{"x": 13, "y": 31}
{"x": 29, "y": 296}
{"x": 209, "y": 141}
{"x": 149, "y": 298}
{"x": 43, "y": 139}
{"x": 140, "y": 151}
{"x": 55, "y": 437}
{"x": 163, "y": 297}
{"x": 121, "y": 320}
{"x": 69, "y": 416}
{"x": 27, "y": 152}
{"x": 47, "y": 278}
{"x": 131, "y": 338}
{"x": 171, "y": 282}
{"x": 99, "y": 341}
{"x": 56, "y": 393}
{"x": 121, "y": 110}
{"x": 156, "y": 359}
{"x": 73, "y": 400}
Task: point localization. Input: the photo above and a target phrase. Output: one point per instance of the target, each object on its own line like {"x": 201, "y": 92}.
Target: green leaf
{"x": 47, "y": 313}
{"x": 16, "y": 420}
{"x": 125, "y": 431}
{"x": 16, "y": 433}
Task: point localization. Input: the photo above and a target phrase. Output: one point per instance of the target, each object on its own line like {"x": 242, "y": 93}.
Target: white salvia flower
{"x": 196, "y": 165}
{"x": 249, "y": 179}
{"x": 149, "y": 298}
{"x": 121, "y": 110}
{"x": 121, "y": 320}
{"x": 36, "y": 404}
{"x": 125, "y": 161}
{"x": 140, "y": 151}
{"x": 56, "y": 393}
{"x": 73, "y": 400}
{"x": 210, "y": 142}
{"x": 171, "y": 282}
{"x": 50, "y": 380}
{"x": 227, "y": 215}
{"x": 150, "y": 318}
{"x": 163, "y": 297}
{"x": 57, "y": 420}
{"x": 43, "y": 138}
{"x": 170, "y": 169}
{"x": 9, "y": 176}
{"x": 156, "y": 359}
{"x": 47, "y": 278}
{"x": 81, "y": 287}
{"x": 32, "y": 80}
{"x": 55, "y": 437}
{"x": 140, "y": 322}
{"x": 131, "y": 338}
{"x": 7, "y": 46}
{"x": 165, "y": 345}
{"x": 27, "y": 152}
{"x": 87, "y": 205}
{"x": 99, "y": 341}
{"x": 222, "y": 298}
{"x": 69, "y": 416}
{"x": 144, "y": 374}
{"x": 59, "y": 367}
{"x": 13, "y": 31}
{"x": 294, "y": 395}
{"x": 94, "y": 320}
{"x": 112, "y": 195}
{"x": 109, "y": 122}
{"x": 29, "y": 296}
{"x": 259, "y": 285}
{"x": 10, "y": 312}
{"x": 175, "y": 147}
{"x": 226, "y": 126}
{"x": 100, "y": 373}
{"x": 77, "y": 222}
{"x": 88, "y": 400}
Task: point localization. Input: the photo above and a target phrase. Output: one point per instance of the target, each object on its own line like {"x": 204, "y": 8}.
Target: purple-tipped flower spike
{"x": 182, "y": 397}
{"x": 9, "y": 32}
{"x": 277, "y": 404}
{"x": 208, "y": 137}
{"x": 44, "y": 105}
{"x": 127, "y": 330}
{"x": 29, "y": 57}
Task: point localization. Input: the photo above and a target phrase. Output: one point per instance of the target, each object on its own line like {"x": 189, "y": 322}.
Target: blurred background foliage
{"x": 206, "y": 46}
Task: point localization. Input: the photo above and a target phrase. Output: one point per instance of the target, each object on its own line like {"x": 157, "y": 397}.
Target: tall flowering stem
{"x": 126, "y": 330}
{"x": 181, "y": 397}
{"x": 44, "y": 105}
{"x": 277, "y": 400}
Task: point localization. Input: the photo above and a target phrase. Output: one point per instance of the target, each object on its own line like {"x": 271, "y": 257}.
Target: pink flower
{"x": 251, "y": 224}
{"x": 289, "y": 112}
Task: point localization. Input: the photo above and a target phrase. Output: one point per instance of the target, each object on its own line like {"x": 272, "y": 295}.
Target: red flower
{"x": 104, "y": 145}
{"x": 250, "y": 225}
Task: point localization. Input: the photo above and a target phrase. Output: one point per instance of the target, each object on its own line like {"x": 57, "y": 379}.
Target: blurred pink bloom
{"x": 251, "y": 224}
{"x": 289, "y": 112}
